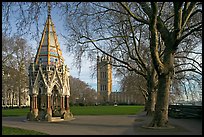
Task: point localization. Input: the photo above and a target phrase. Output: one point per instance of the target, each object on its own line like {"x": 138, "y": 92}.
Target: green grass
{"x": 18, "y": 131}
{"x": 85, "y": 110}
{"x": 106, "y": 110}
{"x": 15, "y": 112}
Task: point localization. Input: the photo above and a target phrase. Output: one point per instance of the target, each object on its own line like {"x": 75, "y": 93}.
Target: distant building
{"x": 126, "y": 98}
{"x": 10, "y": 92}
{"x": 104, "y": 78}
{"x": 104, "y": 86}
{"x": 11, "y": 99}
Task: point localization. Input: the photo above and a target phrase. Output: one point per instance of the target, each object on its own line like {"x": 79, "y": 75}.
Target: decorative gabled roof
{"x": 49, "y": 52}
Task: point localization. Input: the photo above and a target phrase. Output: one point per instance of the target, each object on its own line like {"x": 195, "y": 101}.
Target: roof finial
{"x": 49, "y": 8}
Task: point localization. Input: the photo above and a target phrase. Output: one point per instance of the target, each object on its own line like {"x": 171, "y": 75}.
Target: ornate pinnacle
{"x": 49, "y": 8}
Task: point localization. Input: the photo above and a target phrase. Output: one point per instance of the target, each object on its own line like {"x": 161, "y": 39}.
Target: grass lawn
{"x": 18, "y": 131}
{"x": 15, "y": 112}
{"x": 106, "y": 110}
{"x": 85, "y": 110}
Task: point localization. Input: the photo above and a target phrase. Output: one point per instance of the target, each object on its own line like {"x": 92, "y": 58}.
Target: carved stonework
{"x": 49, "y": 79}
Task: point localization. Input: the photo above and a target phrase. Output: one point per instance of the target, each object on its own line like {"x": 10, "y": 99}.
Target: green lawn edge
{"x": 84, "y": 110}
{"x": 6, "y": 130}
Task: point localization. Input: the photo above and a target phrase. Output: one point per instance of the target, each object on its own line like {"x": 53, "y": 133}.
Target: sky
{"x": 85, "y": 74}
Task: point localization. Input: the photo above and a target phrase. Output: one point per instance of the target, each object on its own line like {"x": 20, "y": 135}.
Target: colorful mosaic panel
{"x": 43, "y": 53}
{"x": 42, "y": 59}
{"x": 53, "y": 59}
{"x": 45, "y": 39}
{"x": 53, "y": 53}
{"x": 53, "y": 49}
{"x": 44, "y": 48}
{"x": 52, "y": 39}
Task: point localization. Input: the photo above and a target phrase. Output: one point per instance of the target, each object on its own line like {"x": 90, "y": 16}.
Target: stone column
{"x": 62, "y": 105}
{"x": 35, "y": 106}
{"x": 67, "y": 103}
{"x": 49, "y": 110}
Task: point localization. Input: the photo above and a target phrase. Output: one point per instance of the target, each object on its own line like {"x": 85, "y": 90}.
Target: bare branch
{"x": 134, "y": 41}
{"x": 133, "y": 15}
{"x": 154, "y": 40}
{"x": 144, "y": 92}
{"x": 192, "y": 70}
{"x": 199, "y": 64}
{"x": 128, "y": 66}
{"x": 187, "y": 13}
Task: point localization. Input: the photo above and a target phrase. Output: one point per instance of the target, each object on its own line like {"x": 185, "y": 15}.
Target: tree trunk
{"x": 151, "y": 99}
{"x": 150, "y": 103}
{"x": 160, "y": 118}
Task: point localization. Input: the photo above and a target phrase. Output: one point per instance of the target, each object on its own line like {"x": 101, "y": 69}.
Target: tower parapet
{"x": 104, "y": 58}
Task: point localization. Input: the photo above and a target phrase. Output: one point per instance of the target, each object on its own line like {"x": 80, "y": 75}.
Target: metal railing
{"x": 185, "y": 111}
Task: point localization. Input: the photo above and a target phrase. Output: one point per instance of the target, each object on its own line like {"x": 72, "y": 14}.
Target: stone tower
{"x": 104, "y": 78}
{"x": 49, "y": 87}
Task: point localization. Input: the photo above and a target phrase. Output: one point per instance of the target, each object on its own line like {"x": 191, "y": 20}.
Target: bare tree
{"x": 16, "y": 57}
{"x": 107, "y": 31}
{"x": 132, "y": 84}
{"x": 172, "y": 37}
{"x": 172, "y": 27}
{"x": 81, "y": 92}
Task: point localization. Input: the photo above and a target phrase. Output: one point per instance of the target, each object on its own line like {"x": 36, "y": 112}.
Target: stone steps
{"x": 56, "y": 119}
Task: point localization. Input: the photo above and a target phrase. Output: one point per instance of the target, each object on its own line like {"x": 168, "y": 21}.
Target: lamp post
{"x": 84, "y": 101}
{"x": 7, "y": 83}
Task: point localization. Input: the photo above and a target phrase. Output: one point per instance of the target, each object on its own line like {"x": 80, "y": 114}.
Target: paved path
{"x": 106, "y": 125}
